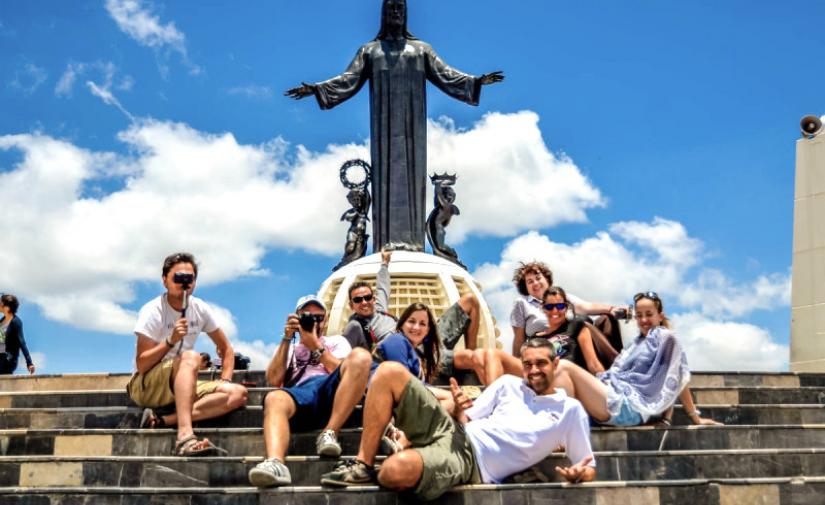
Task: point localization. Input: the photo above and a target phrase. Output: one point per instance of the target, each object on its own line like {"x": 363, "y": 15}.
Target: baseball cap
{"x": 306, "y": 300}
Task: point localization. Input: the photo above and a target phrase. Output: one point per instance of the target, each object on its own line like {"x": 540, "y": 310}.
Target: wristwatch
{"x": 315, "y": 356}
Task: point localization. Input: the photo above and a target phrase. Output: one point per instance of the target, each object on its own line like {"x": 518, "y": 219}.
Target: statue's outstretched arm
{"x": 492, "y": 77}
{"x": 302, "y": 91}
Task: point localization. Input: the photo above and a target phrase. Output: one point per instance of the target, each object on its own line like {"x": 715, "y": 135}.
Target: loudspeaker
{"x": 810, "y": 126}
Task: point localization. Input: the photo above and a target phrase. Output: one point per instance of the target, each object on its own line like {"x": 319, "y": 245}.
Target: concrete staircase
{"x": 73, "y": 439}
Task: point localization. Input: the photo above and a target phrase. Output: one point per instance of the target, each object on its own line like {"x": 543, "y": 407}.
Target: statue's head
{"x": 394, "y": 19}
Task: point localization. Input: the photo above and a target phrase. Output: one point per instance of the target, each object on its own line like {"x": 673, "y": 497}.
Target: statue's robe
{"x": 398, "y": 71}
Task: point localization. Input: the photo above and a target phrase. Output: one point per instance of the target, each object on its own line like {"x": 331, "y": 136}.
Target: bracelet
{"x": 168, "y": 343}
{"x": 696, "y": 412}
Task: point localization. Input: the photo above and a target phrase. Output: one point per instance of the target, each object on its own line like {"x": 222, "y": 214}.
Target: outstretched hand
{"x": 578, "y": 472}
{"x": 492, "y": 77}
{"x": 302, "y": 91}
{"x": 704, "y": 421}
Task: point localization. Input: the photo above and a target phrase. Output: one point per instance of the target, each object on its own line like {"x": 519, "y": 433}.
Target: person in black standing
{"x": 11, "y": 337}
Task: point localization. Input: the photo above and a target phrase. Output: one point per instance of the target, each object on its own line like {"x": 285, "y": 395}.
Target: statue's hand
{"x": 302, "y": 91}
{"x": 492, "y": 77}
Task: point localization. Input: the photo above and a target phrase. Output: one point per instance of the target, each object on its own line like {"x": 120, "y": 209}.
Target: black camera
{"x": 308, "y": 320}
{"x": 185, "y": 279}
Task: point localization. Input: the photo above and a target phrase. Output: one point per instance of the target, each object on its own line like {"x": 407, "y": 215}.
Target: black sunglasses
{"x": 359, "y": 299}
{"x": 647, "y": 294}
{"x": 558, "y": 306}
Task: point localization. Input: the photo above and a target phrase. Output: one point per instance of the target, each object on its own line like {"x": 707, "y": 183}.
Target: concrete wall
{"x": 808, "y": 283}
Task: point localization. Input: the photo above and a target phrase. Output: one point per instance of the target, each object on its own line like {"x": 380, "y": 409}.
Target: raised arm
{"x": 383, "y": 284}
{"x": 340, "y": 88}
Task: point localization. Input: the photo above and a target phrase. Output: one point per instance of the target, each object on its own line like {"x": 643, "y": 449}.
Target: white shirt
{"x": 512, "y": 428}
{"x": 157, "y": 319}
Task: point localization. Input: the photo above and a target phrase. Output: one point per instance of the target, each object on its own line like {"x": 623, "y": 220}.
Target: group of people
{"x": 565, "y": 371}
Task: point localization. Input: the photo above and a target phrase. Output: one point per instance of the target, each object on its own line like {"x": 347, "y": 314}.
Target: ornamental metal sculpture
{"x": 443, "y": 211}
{"x": 359, "y": 198}
{"x": 398, "y": 66}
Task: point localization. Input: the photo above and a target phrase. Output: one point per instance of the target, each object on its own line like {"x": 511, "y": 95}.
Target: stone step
{"x": 116, "y": 397}
{"x": 252, "y": 416}
{"x": 249, "y": 441}
{"x": 768, "y": 491}
{"x": 45, "y": 471}
{"x": 118, "y": 381}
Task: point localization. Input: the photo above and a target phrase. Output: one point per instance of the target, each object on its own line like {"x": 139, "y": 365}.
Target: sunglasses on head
{"x": 359, "y": 299}
{"x": 558, "y": 306}
{"x": 647, "y": 294}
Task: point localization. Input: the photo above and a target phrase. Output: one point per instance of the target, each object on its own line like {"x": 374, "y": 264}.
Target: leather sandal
{"x": 192, "y": 447}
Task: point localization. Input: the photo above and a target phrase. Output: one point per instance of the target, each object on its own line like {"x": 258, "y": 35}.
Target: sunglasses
{"x": 558, "y": 306}
{"x": 647, "y": 294}
{"x": 359, "y": 299}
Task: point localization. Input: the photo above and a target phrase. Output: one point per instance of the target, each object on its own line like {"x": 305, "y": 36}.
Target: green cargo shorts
{"x": 439, "y": 439}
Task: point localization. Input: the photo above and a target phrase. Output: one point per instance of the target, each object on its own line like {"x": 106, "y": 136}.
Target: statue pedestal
{"x": 808, "y": 271}
{"x": 415, "y": 277}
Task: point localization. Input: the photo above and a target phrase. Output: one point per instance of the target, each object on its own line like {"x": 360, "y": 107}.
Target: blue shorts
{"x": 627, "y": 416}
{"x": 313, "y": 401}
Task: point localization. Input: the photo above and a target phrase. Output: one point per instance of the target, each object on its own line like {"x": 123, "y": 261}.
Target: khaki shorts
{"x": 154, "y": 388}
{"x": 438, "y": 438}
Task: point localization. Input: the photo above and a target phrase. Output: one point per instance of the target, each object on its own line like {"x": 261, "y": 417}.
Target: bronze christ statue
{"x": 397, "y": 66}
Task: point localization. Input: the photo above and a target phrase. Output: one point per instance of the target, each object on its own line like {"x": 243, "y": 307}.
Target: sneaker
{"x": 349, "y": 472}
{"x": 389, "y": 441}
{"x": 327, "y": 444}
{"x": 270, "y": 472}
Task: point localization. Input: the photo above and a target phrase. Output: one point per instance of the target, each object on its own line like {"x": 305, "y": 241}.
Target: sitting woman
{"x": 645, "y": 379}
{"x": 574, "y": 338}
{"x": 417, "y": 346}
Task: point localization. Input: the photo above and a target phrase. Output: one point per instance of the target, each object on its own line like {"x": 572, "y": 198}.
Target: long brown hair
{"x": 431, "y": 343}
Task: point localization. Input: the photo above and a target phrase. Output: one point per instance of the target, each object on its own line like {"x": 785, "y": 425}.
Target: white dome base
{"x": 415, "y": 277}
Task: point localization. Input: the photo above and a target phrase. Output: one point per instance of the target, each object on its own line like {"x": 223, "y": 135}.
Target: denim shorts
{"x": 313, "y": 401}
{"x": 627, "y": 416}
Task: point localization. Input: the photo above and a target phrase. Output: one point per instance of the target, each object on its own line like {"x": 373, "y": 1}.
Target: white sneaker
{"x": 327, "y": 444}
{"x": 270, "y": 472}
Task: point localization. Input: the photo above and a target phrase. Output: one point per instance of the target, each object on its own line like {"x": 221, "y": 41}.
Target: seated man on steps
{"x": 321, "y": 379}
{"x": 514, "y": 424}
{"x": 370, "y": 321}
{"x": 167, "y": 367}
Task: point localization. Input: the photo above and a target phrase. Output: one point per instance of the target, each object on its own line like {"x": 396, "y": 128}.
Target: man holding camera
{"x": 322, "y": 379}
{"x": 167, "y": 367}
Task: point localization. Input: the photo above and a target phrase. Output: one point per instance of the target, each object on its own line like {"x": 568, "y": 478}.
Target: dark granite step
{"x": 44, "y": 471}
{"x": 770, "y": 491}
{"x": 252, "y": 416}
{"x": 116, "y": 398}
{"x": 249, "y": 441}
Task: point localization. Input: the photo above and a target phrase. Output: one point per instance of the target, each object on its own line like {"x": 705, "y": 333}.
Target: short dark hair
{"x": 555, "y": 291}
{"x": 534, "y": 267}
{"x": 357, "y": 285}
{"x": 181, "y": 257}
{"x": 11, "y": 302}
{"x": 539, "y": 343}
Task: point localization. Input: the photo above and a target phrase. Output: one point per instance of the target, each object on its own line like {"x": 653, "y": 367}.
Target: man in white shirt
{"x": 514, "y": 424}
{"x": 320, "y": 380}
{"x": 167, "y": 366}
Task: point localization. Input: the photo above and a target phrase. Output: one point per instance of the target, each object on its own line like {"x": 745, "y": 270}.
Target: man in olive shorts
{"x": 514, "y": 424}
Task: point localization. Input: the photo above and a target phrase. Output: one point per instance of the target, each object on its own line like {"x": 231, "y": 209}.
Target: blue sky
{"x": 647, "y": 145}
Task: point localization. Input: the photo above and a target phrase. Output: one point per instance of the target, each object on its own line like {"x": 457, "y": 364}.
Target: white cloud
{"x": 105, "y": 94}
{"x": 28, "y": 78}
{"x": 509, "y": 181}
{"x": 135, "y": 19}
{"x": 104, "y": 72}
{"x": 634, "y": 256}
{"x": 252, "y": 91}
{"x": 66, "y": 82}
{"x": 41, "y": 364}
{"x": 180, "y": 188}
{"x": 724, "y": 345}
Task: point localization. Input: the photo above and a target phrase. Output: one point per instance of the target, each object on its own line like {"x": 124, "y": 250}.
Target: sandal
{"x": 192, "y": 447}
{"x": 151, "y": 420}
